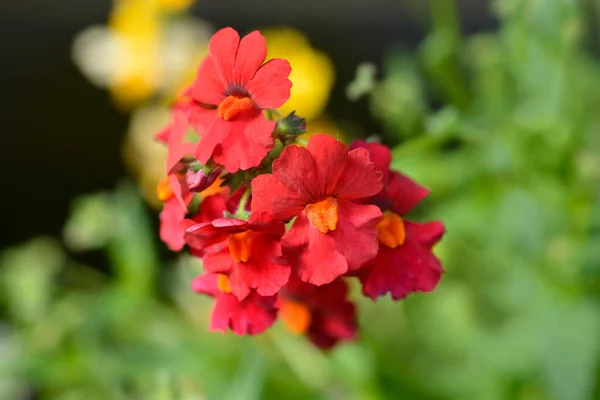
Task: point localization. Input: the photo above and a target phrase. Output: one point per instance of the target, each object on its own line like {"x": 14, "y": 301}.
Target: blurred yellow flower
{"x": 143, "y": 51}
{"x": 175, "y": 5}
{"x": 322, "y": 125}
{"x": 136, "y": 26}
{"x": 312, "y": 71}
{"x": 144, "y": 156}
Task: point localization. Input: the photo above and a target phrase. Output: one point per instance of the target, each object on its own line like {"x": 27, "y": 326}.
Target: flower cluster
{"x": 281, "y": 225}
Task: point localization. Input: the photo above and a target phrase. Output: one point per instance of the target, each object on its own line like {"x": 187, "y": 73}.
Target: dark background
{"x": 61, "y": 137}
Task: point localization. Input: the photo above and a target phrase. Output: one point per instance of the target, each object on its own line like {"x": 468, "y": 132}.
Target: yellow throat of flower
{"x": 223, "y": 283}
{"x": 390, "y": 230}
{"x": 323, "y": 215}
{"x": 240, "y": 246}
{"x": 295, "y": 316}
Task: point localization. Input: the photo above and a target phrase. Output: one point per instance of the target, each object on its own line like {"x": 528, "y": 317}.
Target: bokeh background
{"x": 493, "y": 105}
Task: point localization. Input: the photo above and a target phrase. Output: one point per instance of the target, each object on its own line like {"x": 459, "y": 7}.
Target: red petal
{"x": 408, "y": 268}
{"x": 230, "y": 225}
{"x": 201, "y": 236}
{"x": 339, "y": 327}
{"x": 176, "y": 153}
{"x": 270, "y": 195}
{"x": 333, "y": 316}
{"x": 404, "y": 193}
{"x": 211, "y": 208}
{"x": 173, "y": 135}
{"x": 206, "y": 283}
{"x": 265, "y": 223}
{"x": 203, "y": 121}
{"x": 356, "y": 234}
{"x": 223, "y": 48}
{"x": 296, "y": 169}
{"x": 330, "y": 156}
{"x": 266, "y": 270}
{"x": 209, "y": 86}
{"x": 270, "y": 87}
{"x": 202, "y": 118}
{"x": 312, "y": 253}
{"x": 243, "y": 144}
{"x": 426, "y": 234}
{"x": 360, "y": 178}
{"x": 380, "y": 155}
{"x": 171, "y": 229}
{"x": 250, "y": 316}
{"x": 204, "y": 235}
{"x": 220, "y": 262}
{"x": 163, "y": 135}
{"x": 220, "y": 317}
{"x": 181, "y": 193}
{"x": 250, "y": 56}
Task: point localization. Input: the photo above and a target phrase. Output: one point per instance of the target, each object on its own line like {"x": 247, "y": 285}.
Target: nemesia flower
{"x": 176, "y": 199}
{"x": 174, "y": 135}
{"x": 249, "y": 252}
{"x": 216, "y": 201}
{"x": 319, "y": 185}
{"x": 232, "y": 88}
{"x": 281, "y": 238}
{"x": 405, "y": 262}
{"x": 323, "y": 313}
{"x": 173, "y": 189}
{"x": 250, "y": 316}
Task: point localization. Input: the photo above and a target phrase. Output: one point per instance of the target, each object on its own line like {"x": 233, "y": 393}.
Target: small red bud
{"x": 200, "y": 180}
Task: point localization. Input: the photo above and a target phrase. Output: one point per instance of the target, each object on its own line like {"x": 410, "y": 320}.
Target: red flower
{"x": 250, "y": 316}
{"x": 322, "y": 312}
{"x": 176, "y": 199}
{"x": 171, "y": 232}
{"x": 318, "y": 184}
{"x": 249, "y": 252}
{"x": 211, "y": 208}
{"x": 405, "y": 262}
{"x": 173, "y": 190}
{"x": 233, "y": 86}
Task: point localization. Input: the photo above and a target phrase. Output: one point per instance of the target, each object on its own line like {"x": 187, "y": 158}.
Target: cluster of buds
{"x": 282, "y": 225}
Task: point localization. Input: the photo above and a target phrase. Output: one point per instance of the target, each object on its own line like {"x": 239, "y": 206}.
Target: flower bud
{"x": 197, "y": 181}
{"x": 291, "y": 125}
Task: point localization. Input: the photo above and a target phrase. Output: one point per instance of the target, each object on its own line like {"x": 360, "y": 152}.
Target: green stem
{"x": 241, "y": 212}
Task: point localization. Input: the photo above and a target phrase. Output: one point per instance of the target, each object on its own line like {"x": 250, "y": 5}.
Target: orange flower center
{"x": 164, "y": 191}
{"x": 295, "y": 316}
{"x": 223, "y": 283}
{"x": 390, "y": 230}
{"x": 233, "y": 106}
{"x": 215, "y": 188}
{"x": 240, "y": 246}
{"x": 323, "y": 215}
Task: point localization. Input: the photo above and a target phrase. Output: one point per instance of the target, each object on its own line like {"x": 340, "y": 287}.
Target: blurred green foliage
{"x": 503, "y": 127}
